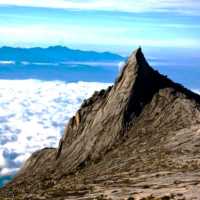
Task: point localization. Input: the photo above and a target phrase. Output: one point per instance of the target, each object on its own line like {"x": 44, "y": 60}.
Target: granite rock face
{"x": 139, "y": 139}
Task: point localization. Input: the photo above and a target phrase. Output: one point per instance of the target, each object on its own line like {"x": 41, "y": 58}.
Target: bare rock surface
{"x": 139, "y": 139}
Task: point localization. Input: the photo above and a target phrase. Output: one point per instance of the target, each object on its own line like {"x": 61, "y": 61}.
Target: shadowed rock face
{"x": 138, "y": 139}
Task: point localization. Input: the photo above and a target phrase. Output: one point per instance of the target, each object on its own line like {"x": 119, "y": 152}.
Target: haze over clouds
{"x": 33, "y": 114}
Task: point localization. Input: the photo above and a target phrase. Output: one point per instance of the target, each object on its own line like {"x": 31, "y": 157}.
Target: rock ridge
{"x": 138, "y": 138}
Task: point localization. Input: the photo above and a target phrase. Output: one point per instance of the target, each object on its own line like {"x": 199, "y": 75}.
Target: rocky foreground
{"x": 139, "y": 139}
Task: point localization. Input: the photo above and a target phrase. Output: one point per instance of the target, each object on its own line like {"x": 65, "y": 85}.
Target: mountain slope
{"x": 138, "y": 138}
{"x": 55, "y": 54}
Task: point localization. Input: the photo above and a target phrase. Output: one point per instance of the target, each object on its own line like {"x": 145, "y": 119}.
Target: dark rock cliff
{"x": 138, "y": 139}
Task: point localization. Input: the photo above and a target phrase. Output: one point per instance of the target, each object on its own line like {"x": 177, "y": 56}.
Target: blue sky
{"x": 100, "y": 24}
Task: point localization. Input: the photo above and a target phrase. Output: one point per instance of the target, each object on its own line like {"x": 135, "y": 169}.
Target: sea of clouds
{"x": 33, "y": 114}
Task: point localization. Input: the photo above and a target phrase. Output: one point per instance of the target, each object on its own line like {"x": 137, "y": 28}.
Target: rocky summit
{"x": 139, "y": 139}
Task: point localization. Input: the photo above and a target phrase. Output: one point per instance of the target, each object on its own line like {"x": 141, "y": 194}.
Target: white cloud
{"x": 90, "y": 35}
{"x": 33, "y": 115}
{"x": 181, "y": 6}
{"x": 196, "y": 91}
{"x": 121, "y": 65}
{"x": 7, "y": 62}
{"x": 8, "y": 171}
{"x": 2, "y": 160}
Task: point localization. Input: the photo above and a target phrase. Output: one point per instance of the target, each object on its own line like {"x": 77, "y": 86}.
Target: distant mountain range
{"x": 55, "y": 54}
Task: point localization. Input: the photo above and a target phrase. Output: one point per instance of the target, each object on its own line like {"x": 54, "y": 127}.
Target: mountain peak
{"x": 137, "y": 53}
{"x": 137, "y": 56}
{"x": 123, "y": 138}
{"x": 130, "y": 68}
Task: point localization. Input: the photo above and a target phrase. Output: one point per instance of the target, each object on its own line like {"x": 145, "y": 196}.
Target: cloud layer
{"x": 181, "y": 6}
{"x": 33, "y": 115}
{"x": 92, "y": 35}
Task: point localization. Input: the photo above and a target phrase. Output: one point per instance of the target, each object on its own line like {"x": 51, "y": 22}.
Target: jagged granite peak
{"x": 138, "y": 138}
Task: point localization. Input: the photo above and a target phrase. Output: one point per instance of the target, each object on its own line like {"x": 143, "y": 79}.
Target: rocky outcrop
{"x": 138, "y": 139}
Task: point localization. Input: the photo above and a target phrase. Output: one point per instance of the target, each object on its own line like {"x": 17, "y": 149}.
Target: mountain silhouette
{"x": 55, "y": 54}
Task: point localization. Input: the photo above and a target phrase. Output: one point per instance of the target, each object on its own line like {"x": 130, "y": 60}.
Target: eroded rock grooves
{"x": 140, "y": 138}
